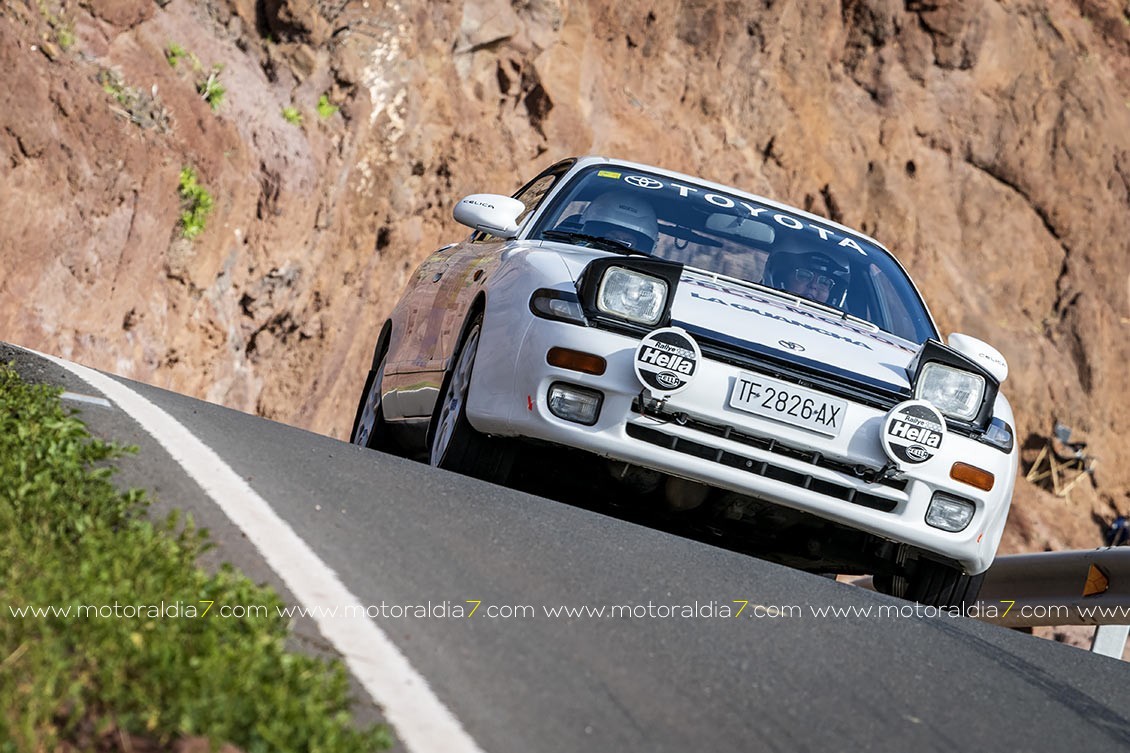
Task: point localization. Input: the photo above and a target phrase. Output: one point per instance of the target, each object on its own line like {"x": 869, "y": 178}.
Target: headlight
{"x": 954, "y": 392}
{"x": 633, "y": 296}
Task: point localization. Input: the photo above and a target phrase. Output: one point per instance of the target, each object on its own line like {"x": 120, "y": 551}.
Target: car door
{"x": 436, "y": 306}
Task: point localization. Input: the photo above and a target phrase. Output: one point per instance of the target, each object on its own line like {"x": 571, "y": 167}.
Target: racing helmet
{"x": 622, "y": 211}
{"x": 783, "y": 267}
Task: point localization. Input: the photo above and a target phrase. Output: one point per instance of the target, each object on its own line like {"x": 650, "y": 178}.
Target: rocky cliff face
{"x": 987, "y": 143}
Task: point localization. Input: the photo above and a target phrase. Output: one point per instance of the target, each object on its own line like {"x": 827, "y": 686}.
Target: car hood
{"x": 752, "y": 320}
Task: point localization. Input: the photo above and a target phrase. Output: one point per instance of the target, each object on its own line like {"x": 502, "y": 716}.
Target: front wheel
{"x": 933, "y": 584}
{"x": 455, "y": 444}
{"x": 369, "y": 427}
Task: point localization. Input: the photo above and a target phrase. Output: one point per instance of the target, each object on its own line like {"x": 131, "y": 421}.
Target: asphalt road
{"x": 403, "y": 534}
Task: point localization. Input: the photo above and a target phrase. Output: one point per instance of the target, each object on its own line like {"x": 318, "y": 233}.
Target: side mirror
{"x": 490, "y": 213}
{"x": 982, "y": 353}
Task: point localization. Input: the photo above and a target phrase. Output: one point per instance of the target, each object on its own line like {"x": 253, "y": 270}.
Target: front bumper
{"x": 730, "y": 449}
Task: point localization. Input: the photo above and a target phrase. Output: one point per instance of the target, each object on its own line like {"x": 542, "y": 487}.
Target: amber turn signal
{"x": 575, "y": 360}
{"x": 975, "y": 477}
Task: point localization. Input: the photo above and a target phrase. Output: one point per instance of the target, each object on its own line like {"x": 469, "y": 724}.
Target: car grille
{"x": 768, "y": 470}
{"x": 798, "y": 371}
{"x": 768, "y": 444}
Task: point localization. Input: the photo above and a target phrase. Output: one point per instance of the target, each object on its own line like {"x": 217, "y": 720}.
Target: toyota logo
{"x": 643, "y": 181}
{"x": 794, "y": 347}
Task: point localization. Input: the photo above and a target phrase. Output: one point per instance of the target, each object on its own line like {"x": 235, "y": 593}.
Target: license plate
{"x": 788, "y": 403}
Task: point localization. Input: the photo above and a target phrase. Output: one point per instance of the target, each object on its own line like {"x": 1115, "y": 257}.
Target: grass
{"x": 114, "y": 85}
{"x": 174, "y": 53}
{"x": 140, "y": 107}
{"x": 210, "y": 88}
{"x": 69, "y": 537}
{"x": 292, "y": 115}
{"x": 65, "y": 36}
{"x": 62, "y": 28}
{"x": 325, "y": 108}
{"x": 196, "y": 204}
{"x": 207, "y": 86}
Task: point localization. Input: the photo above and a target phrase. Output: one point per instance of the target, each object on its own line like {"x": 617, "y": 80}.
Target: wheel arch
{"x": 477, "y": 307}
{"x": 382, "y": 344}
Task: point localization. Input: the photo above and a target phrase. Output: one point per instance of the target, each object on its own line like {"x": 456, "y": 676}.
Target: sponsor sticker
{"x": 667, "y": 360}
{"x": 913, "y": 432}
{"x": 608, "y": 174}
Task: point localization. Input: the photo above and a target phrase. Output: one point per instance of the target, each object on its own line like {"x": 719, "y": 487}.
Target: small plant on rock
{"x": 196, "y": 204}
{"x": 174, "y": 53}
{"x": 325, "y": 108}
{"x": 210, "y": 89}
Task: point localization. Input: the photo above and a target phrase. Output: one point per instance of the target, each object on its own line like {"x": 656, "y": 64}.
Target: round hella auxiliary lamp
{"x": 913, "y": 433}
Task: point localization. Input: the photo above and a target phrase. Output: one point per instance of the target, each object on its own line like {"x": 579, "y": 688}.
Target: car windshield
{"x": 721, "y": 233}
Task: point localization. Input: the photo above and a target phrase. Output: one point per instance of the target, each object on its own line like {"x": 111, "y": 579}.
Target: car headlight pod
{"x": 962, "y": 389}
{"x": 629, "y": 292}
{"x": 632, "y": 295}
{"x": 955, "y": 392}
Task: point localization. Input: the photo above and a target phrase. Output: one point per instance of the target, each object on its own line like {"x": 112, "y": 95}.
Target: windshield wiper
{"x": 608, "y": 244}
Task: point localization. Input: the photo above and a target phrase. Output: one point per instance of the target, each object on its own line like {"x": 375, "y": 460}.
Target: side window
{"x": 533, "y": 194}
{"x": 894, "y": 316}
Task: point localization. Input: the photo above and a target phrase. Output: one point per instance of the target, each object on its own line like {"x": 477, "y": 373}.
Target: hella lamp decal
{"x": 666, "y": 361}
{"x": 913, "y": 432}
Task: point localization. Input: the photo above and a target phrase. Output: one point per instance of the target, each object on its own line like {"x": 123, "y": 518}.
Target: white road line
{"x": 75, "y": 397}
{"x": 420, "y": 719}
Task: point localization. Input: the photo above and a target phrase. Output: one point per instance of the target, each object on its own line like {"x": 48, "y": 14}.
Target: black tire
{"x": 453, "y": 444}
{"x": 935, "y": 584}
{"x": 375, "y": 434}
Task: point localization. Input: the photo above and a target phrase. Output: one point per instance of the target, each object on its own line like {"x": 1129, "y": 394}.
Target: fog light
{"x": 575, "y": 404}
{"x": 949, "y": 513}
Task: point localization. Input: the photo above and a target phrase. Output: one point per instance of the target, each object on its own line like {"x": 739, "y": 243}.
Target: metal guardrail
{"x": 1086, "y": 587}
{"x": 1081, "y": 587}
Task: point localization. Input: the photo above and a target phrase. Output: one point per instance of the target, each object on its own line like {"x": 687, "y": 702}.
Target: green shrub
{"x": 292, "y": 115}
{"x": 325, "y": 109}
{"x": 174, "y": 53}
{"x": 69, "y": 537}
{"x": 210, "y": 88}
{"x": 196, "y": 204}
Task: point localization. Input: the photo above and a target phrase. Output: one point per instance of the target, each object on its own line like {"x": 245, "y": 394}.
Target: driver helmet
{"x": 622, "y": 217}
{"x": 784, "y": 267}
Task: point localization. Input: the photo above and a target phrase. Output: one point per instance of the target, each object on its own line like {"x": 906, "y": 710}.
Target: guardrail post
{"x": 1110, "y": 640}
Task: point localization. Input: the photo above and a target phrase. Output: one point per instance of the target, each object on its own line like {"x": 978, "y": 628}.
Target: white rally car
{"x": 717, "y": 351}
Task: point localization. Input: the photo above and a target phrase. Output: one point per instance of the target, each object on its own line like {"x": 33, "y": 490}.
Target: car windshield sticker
{"x": 913, "y": 432}
{"x": 794, "y": 310}
{"x": 727, "y": 202}
{"x": 787, "y": 320}
{"x": 608, "y": 174}
{"x": 666, "y": 361}
{"x": 644, "y": 182}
